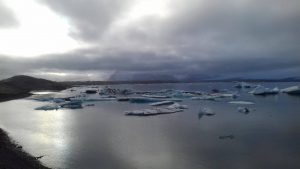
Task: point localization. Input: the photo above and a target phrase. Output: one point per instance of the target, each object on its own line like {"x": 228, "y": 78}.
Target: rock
{"x": 244, "y": 110}
{"x": 227, "y": 137}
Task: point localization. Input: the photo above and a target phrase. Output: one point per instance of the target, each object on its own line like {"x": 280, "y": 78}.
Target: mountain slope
{"x": 20, "y": 86}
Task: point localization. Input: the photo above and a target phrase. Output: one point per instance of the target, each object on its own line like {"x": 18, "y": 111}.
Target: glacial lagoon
{"x": 102, "y": 136}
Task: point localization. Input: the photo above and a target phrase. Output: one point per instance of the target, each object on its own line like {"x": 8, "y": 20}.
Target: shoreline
{"x": 12, "y": 156}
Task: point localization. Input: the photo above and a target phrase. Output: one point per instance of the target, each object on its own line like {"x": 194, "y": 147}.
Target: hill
{"x": 20, "y": 86}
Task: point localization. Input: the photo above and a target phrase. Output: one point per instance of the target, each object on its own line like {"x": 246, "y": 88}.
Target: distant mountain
{"x": 19, "y": 86}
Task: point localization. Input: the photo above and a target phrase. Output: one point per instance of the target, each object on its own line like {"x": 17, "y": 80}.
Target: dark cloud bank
{"x": 199, "y": 39}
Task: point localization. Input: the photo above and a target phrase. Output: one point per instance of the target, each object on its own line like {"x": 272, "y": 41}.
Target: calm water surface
{"x": 102, "y": 137}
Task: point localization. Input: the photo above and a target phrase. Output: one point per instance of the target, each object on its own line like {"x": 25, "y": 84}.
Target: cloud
{"x": 185, "y": 39}
{"x": 7, "y": 18}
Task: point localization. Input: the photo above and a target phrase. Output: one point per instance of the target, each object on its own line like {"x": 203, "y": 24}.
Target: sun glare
{"x": 40, "y": 31}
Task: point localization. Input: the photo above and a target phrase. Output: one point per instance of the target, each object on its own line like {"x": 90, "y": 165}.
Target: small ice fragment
{"x": 151, "y": 112}
{"x": 241, "y": 102}
{"x": 243, "y": 110}
{"x": 206, "y": 111}
{"x": 156, "y": 96}
{"x": 177, "y": 106}
{"x": 161, "y": 103}
{"x": 205, "y": 97}
{"x": 48, "y": 107}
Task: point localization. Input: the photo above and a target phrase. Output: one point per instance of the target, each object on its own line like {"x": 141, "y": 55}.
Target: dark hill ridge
{"x": 20, "y": 86}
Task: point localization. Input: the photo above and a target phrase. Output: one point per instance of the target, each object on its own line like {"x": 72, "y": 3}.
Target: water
{"x": 102, "y": 137}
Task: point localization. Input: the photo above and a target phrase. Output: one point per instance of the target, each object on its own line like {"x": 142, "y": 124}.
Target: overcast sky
{"x": 133, "y": 39}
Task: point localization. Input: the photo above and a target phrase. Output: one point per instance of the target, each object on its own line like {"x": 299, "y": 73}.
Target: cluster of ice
{"x": 79, "y": 97}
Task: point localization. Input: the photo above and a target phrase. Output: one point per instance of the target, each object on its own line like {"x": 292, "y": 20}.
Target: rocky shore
{"x": 12, "y": 155}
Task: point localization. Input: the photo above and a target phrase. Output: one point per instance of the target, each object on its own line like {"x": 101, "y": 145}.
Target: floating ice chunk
{"x": 177, "y": 106}
{"x": 152, "y": 112}
{"x": 243, "y": 85}
{"x": 161, "y": 103}
{"x": 206, "y": 111}
{"x": 224, "y": 95}
{"x": 150, "y": 100}
{"x": 112, "y": 91}
{"x": 241, "y": 102}
{"x": 98, "y": 99}
{"x": 291, "y": 90}
{"x": 204, "y": 97}
{"x": 72, "y": 104}
{"x": 156, "y": 96}
{"x": 182, "y": 94}
{"x": 42, "y": 99}
{"x": 243, "y": 110}
{"x": 88, "y": 105}
{"x": 143, "y": 100}
{"x": 48, "y": 107}
{"x": 58, "y": 100}
{"x": 260, "y": 90}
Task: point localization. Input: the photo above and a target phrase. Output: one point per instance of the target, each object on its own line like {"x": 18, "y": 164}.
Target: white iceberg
{"x": 204, "y": 97}
{"x": 177, "y": 106}
{"x": 241, "y": 102}
{"x": 206, "y": 111}
{"x": 161, "y": 103}
{"x": 261, "y": 90}
{"x": 291, "y": 90}
{"x": 155, "y": 96}
{"x": 152, "y": 112}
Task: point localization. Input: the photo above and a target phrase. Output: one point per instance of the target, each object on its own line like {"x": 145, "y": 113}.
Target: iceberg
{"x": 241, "y": 102}
{"x": 182, "y": 94}
{"x": 48, "y": 107}
{"x": 58, "y": 100}
{"x": 261, "y": 90}
{"x": 72, "y": 104}
{"x": 205, "y": 112}
{"x": 161, "y": 103}
{"x": 243, "y": 85}
{"x": 143, "y": 100}
{"x": 177, "y": 106}
{"x": 150, "y": 100}
{"x": 155, "y": 96}
{"x": 204, "y": 97}
{"x": 152, "y": 112}
{"x": 111, "y": 91}
{"x": 243, "y": 110}
{"x": 291, "y": 90}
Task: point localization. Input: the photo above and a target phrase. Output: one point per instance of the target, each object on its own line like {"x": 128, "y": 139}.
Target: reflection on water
{"x": 101, "y": 136}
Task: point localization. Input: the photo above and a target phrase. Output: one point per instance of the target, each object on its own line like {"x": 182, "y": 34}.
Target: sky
{"x": 150, "y": 39}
